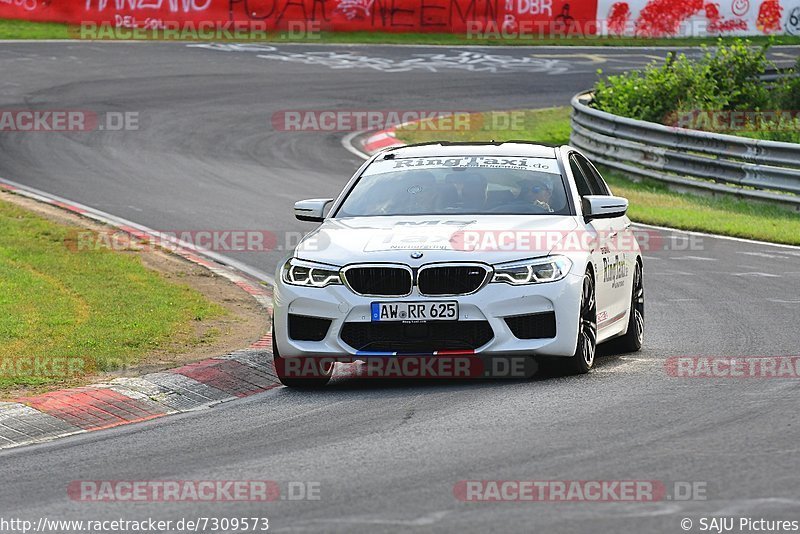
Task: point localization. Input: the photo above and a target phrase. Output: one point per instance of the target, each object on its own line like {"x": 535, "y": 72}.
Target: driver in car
{"x": 538, "y": 192}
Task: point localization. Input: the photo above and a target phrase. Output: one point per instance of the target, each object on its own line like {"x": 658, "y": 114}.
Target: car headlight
{"x": 305, "y": 273}
{"x": 536, "y": 271}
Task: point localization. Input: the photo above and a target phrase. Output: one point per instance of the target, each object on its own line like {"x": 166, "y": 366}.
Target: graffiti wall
{"x": 453, "y": 16}
{"x": 661, "y": 18}
{"x": 481, "y": 17}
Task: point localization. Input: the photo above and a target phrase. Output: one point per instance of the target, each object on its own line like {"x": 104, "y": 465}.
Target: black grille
{"x": 417, "y": 337}
{"x": 304, "y": 328}
{"x": 383, "y": 281}
{"x": 535, "y": 326}
{"x": 451, "y": 280}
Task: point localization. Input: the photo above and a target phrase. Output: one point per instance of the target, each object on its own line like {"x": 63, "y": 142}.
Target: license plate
{"x": 414, "y": 311}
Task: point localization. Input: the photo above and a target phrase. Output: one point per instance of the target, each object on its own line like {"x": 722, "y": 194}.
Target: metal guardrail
{"x": 688, "y": 159}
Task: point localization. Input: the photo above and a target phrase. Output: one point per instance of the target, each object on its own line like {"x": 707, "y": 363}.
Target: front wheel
{"x": 300, "y": 373}
{"x": 583, "y": 360}
{"x": 632, "y": 340}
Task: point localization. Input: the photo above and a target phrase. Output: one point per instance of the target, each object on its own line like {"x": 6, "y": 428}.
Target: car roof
{"x": 444, "y": 148}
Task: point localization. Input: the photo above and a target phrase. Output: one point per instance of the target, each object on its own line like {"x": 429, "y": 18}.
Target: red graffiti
{"x": 451, "y": 16}
{"x": 717, "y": 24}
{"x": 658, "y": 18}
{"x": 770, "y": 16}
{"x": 663, "y": 18}
{"x": 618, "y": 18}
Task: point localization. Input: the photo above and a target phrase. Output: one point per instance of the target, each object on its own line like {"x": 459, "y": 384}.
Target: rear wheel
{"x": 632, "y": 340}
{"x": 583, "y": 359}
{"x": 301, "y": 373}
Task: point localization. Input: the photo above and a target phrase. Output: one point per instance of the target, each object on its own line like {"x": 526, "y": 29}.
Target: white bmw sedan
{"x": 462, "y": 248}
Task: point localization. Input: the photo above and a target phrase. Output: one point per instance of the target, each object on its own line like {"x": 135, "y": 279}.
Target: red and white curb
{"x": 381, "y": 140}
{"x": 124, "y": 401}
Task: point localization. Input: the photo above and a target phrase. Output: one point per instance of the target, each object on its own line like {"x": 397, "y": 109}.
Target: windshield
{"x": 473, "y": 185}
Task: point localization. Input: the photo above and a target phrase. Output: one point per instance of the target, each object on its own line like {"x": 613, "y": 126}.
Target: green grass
{"x": 15, "y": 29}
{"x": 22, "y": 29}
{"x": 651, "y": 202}
{"x": 91, "y": 310}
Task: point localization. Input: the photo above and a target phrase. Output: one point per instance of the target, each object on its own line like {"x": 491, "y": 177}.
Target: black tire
{"x": 320, "y": 376}
{"x": 586, "y": 348}
{"x": 632, "y": 340}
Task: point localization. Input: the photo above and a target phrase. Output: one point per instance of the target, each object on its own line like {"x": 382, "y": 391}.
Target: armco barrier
{"x": 688, "y": 159}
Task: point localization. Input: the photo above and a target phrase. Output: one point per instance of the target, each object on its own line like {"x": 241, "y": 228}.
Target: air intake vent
{"x": 534, "y": 326}
{"x": 419, "y": 337}
{"x": 380, "y": 281}
{"x": 452, "y": 279}
{"x": 304, "y": 328}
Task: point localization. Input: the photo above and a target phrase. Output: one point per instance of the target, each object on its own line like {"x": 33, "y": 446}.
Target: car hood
{"x": 485, "y": 238}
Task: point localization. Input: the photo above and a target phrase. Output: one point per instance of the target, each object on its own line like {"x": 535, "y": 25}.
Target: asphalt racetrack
{"x": 387, "y": 456}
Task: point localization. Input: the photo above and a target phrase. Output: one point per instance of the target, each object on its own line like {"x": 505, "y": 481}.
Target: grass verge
{"x": 651, "y": 202}
{"x": 18, "y": 29}
{"x": 68, "y": 312}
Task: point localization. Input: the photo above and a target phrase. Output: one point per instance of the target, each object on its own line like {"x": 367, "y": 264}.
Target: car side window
{"x": 596, "y": 183}
{"x": 581, "y": 181}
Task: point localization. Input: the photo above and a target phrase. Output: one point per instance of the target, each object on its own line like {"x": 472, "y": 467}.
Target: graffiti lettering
{"x": 353, "y": 9}
{"x": 644, "y": 18}
{"x": 792, "y": 25}
{"x": 27, "y": 5}
{"x": 174, "y": 6}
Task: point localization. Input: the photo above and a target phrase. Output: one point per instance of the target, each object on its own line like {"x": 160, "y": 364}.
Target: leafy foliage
{"x": 723, "y": 79}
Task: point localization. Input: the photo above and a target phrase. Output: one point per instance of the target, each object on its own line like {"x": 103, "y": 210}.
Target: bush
{"x": 727, "y": 78}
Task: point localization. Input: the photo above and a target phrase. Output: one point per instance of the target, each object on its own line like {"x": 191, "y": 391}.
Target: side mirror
{"x": 603, "y": 207}
{"x": 312, "y": 210}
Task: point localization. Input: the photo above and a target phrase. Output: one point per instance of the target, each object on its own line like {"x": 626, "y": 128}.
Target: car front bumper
{"x": 493, "y": 303}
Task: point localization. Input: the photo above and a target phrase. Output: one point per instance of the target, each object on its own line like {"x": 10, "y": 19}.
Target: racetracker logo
{"x": 191, "y": 491}
{"x": 61, "y": 120}
{"x": 389, "y": 365}
{"x": 354, "y": 120}
{"x": 129, "y": 27}
{"x": 561, "y": 25}
{"x": 475, "y": 240}
{"x": 214, "y": 240}
{"x": 43, "y": 367}
{"x": 736, "y": 121}
{"x": 733, "y": 367}
{"x": 577, "y": 491}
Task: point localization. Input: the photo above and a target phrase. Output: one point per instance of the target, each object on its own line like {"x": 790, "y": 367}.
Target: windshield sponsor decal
{"x": 467, "y": 162}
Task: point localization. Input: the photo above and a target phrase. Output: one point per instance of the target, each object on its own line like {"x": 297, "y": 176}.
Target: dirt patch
{"x": 244, "y": 322}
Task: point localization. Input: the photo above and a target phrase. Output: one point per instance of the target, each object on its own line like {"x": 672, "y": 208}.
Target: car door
{"x": 616, "y": 275}
{"x": 601, "y": 253}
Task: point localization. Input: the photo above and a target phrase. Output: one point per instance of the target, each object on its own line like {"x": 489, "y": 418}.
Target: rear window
{"x": 473, "y": 185}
